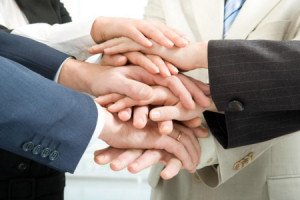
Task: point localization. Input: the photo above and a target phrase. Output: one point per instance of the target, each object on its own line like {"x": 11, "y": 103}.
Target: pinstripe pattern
{"x": 265, "y": 77}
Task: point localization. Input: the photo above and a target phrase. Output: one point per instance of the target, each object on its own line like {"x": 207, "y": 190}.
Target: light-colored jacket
{"x": 273, "y": 170}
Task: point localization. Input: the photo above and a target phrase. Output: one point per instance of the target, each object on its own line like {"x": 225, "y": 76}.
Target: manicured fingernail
{"x": 170, "y": 43}
{"x": 102, "y": 159}
{"x": 155, "y": 115}
{"x": 149, "y": 44}
{"x": 166, "y": 128}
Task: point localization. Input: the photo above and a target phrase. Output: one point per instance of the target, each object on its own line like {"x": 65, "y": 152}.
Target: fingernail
{"x": 149, "y": 44}
{"x": 102, "y": 159}
{"x": 176, "y": 70}
{"x": 118, "y": 163}
{"x": 166, "y": 129}
{"x": 170, "y": 43}
{"x": 156, "y": 69}
{"x": 185, "y": 41}
{"x": 155, "y": 115}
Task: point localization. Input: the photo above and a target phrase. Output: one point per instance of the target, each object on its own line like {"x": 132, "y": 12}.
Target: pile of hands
{"x": 152, "y": 110}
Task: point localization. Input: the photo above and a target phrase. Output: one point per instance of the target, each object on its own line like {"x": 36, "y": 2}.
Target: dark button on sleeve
{"x": 37, "y": 149}
{"x": 54, "y": 155}
{"x": 46, "y": 152}
{"x": 28, "y": 146}
{"x": 235, "y": 106}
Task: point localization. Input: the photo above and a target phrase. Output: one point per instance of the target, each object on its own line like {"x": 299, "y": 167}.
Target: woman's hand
{"x": 187, "y": 58}
{"x": 106, "y": 28}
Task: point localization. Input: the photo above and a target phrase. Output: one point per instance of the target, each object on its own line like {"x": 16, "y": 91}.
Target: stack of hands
{"x": 152, "y": 110}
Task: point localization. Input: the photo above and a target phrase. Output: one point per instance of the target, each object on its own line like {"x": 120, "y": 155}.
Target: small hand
{"x": 135, "y": 160}
{"x": 106, "y": 28}
{"x": 152, "y": 63}
{"x": 187, "y": 58}
{"x": 123, "y": 135}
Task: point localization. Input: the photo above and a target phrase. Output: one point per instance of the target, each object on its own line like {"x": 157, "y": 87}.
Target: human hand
{"x": 190, "y": 57}
{"x": 182, "y": 142}
{"x": 152, "y": 63}
{"x": 106, "y": 28}
{"x": 135, "y": 160}
{"x": 139, "y": 109}
{"x": 131, "y": 81}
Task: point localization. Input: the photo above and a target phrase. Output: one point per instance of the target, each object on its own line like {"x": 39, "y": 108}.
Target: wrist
{"x": 202, "y": 60}
{"x": 72, "y": 76}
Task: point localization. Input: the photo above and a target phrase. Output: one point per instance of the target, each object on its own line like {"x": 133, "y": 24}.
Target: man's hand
{"x": 106, "y": 28}
{"x": 131, "y": 81}
{"x": 182, "y": 142}
{"x": 152, "y": 63}
{"x": 135, "y": 160}
{"x": 190, "y": 57}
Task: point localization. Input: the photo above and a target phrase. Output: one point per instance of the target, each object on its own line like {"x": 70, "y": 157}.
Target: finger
{"x": 124, "y": 159}
{"x": 139, "y": 37}
{"x": 177, "y": 87}
{"x": 163, "y": 68}
{"x": 122, "y": 104}
{"x": 122, "y": 48}
{"x": 196, "y": 92}
{"x": 140, "y": 59}
{"x": 135, "y": 90}
{"x": 172, "y": 68}
{"x": 155, "y": 34}
{"x": 99, "y": 48}
{"x": 201, "y": 132}
{"x": 113, "y": 60}
{"x": 177, "y": 112}
{"x": 173, "y": 35}
{"x": 105, "y": 156}
{"x": 140, "y": 117}
{"x": 161, "y": 96}
{"x": 149, "y": 158}
{"x": 183, "y": 136}
{"x": 165, "y": 127}
{"x": 108, "y": 99}
{"x": 193, "y": 123}
{"x": 125, "y": 115}
{"x": 174, "y": 147}
{"x": 193, "y": 139}
{"x": 172, "y": 169}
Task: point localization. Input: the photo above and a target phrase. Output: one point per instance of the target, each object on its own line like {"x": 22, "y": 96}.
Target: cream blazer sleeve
{"x": 72, "y": 38}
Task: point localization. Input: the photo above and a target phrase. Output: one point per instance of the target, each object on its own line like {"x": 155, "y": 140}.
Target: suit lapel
{"x": 208, "y": 15}
{"x": 251, "y": 14}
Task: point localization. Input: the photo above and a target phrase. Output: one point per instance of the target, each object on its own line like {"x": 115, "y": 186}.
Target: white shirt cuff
{"x": 209, "y": 152}
{"x": 59, "y": 70}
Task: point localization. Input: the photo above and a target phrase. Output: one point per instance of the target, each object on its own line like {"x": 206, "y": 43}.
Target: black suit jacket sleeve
{"x": 257, "y": 84}
{"x": 43, "y": 11}
{"x": 38, "y": 57}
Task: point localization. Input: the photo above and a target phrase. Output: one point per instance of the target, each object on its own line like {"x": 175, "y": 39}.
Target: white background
{"x": 91, "y": 182}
